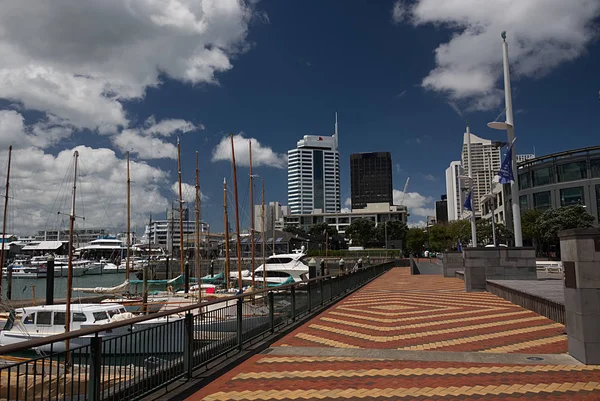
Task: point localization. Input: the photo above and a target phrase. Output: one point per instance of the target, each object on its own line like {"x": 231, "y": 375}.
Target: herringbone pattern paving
{"x": 399, "y": 311}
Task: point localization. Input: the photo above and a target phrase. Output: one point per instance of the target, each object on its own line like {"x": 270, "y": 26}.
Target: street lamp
{"x": 508, "y": 126}
{"x": 469, "y": 179}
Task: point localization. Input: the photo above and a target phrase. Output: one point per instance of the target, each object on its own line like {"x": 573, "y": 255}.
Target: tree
{"x": 439, "y": 238}
{"x": 485, "y": 235}
{"x": 396, "y": 230}
{"x": 554, "y": 220}
{"x": 530, "y": 228}
{"x": 459, "y": 231}
{"x": 415, "y": 240}
{"x": 319, "y": 229}
{"x": 361, "y": 232}
{"x": 294, "y": 230}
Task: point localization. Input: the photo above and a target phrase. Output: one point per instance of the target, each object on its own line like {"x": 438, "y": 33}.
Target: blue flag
{"x": 459, "y": 246}
{"x": 505, "y": 174}
{"x": 467, "y": 204}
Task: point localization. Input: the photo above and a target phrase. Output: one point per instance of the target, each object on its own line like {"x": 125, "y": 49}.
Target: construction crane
{"x": 404, "y": 191}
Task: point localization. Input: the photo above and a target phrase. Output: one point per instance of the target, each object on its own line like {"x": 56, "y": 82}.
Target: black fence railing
{"x": 129, "y": 359}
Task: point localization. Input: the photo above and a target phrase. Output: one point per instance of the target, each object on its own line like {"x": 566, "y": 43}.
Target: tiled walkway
{"x": 408, "y": 337}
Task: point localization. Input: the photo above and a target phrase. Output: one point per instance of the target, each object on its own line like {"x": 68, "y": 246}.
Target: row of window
{"x": 568, "y": 197}
{"x": 573, "y": 171}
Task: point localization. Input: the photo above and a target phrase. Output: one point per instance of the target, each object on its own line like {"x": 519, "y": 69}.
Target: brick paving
{"x": 416, "y": 314}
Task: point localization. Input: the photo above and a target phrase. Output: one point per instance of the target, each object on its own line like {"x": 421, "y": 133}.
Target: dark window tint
{"x": 543, "y": 176}
{"x": 79, "y": 317}
{"x": 542, "y": 200}
{"x": 100, "y": 316}
{"x": 524, "y": 180}
{"x": 572, "y": 196}
{"x": 572, "y": 171}
{"x": 59, "y": 318}
{"x": 29, "y": 319}
{"x": 44, "y": 318}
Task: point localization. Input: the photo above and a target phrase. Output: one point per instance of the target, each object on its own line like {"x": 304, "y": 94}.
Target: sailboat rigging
{"x": 197, "y": 225}
{"x": 226, "y": 218}
{"x": 70, "y": 257}
{"x": 237, "y": 217}
{"x": 181, "y": 251}
{"x": 8, "y": 270}
{"x": 128, "y": 221}
{"x": 251, "y": 210}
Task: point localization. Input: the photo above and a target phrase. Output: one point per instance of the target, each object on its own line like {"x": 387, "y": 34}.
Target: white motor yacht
{"x": 282, "y": 268}
{"x": 21, "y": 271}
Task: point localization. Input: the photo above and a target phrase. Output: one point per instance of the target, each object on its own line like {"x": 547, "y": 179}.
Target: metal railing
{"x": 129, "y": 359}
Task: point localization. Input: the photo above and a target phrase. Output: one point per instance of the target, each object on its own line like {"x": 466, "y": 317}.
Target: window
{"x": 572, "y": 171}
{"x": 543, "y": 176}
{"x": 44, "y": 318}
{"x": 524, "y": 180}
{"x": 523, "y": 202}
{"x": 572, "y": 196}
{"x": 499, "y": 198}
{"x": 277, "y": 274}
{"x": 595, "y": 168}
{"x": 100, "y": 316}
{"x": 272, "y": 261}
{"x": 59, "y": 318}
{"x": 542, "y": 200}
{"x": 29, "y": 319}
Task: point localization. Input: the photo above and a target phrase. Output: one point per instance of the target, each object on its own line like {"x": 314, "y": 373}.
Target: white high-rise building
{"x": 485, "y": 162}
{"x": 453, "y": 193}
{"x": 314, "y": 175}
{"x": 274, "y": 214}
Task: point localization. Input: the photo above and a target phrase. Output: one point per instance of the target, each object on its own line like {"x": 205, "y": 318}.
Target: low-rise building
{"x": 376, "y": 212}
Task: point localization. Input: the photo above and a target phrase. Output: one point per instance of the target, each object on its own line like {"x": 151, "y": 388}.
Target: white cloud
{"x": 429, "y": 177}
{"x": 417, "y": 224}
{"x": 415, "y": 202}
{"x": 146, "y": 141}
{"x": 346, "y": 210}
{"x": 348, "y": 202}
{"x": 14, "y": 131}
{"x": 41, "y": 187}
{"x": 189, "y": 193}
{"x": 541, "y": 33}
{"x": 261, "y": 155}
{"x": 79, "y": 59}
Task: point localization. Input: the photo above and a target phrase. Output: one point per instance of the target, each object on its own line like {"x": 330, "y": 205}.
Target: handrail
{"x": 28, "y": 345}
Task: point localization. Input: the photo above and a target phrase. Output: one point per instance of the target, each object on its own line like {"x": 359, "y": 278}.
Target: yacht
{"x": 46, "y": 320}
{"x": 283, "y": 268}
{"x": 21, "y": 271}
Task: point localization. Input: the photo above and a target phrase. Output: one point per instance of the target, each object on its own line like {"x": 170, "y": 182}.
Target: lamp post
{"x": 509, "y": 127}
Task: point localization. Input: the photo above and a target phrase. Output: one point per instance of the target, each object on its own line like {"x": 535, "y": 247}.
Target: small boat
{"x": 46, "y": 320}
{"x": 21, "y": 271}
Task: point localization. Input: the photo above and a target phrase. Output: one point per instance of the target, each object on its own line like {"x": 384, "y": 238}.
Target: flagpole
{"x": 470, "y": 197}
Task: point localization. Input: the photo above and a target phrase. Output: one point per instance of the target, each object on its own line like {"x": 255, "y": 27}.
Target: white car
{"x": 494, "y": 246}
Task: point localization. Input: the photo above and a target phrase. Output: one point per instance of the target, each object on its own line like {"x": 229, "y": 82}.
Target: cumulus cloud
{"x": 348, "y": 202}
{"x": 542, "y": 34}
{"x": 80, "y": 59}
{"x": 415, "y": 202}
{"x": 188, "y": 191}
{"x": 14, "y": 131}
{"x": 261, "y": 155}
{"x": 41, "y": 187}
{"x": 417, "y": 224}
{"x": 147, "y": 142}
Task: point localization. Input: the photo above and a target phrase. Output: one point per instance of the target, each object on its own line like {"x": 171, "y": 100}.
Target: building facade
{"x": 165, "y": 233}
{"x": 376, "y": 212}
{"x": 453, "y": 191}
{"x": 485, "y": 163}
{"x": 559, "y": 179}
{"x": 274, "y": 217}
{"x": 441, "y": 210}
{"x": 524, "y": 157}
{"x": 314, "y": 175}
{"x": 80, "y": 236}
{"x": 370, "y": 179}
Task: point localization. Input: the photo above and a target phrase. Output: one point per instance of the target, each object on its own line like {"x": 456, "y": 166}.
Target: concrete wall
{"x": 580, "y": 254}
{"x": 499, "y": 263}
{"x": 451, "y": 262}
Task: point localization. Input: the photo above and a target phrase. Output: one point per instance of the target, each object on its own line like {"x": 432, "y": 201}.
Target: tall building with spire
{"x": 314, "y": 175}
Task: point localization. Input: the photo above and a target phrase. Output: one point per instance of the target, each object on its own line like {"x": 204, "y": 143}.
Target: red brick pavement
{"x": 399, "y": 311}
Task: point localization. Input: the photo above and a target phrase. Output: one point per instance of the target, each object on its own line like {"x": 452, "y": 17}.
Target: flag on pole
{"x": 505, "y": 175}
{"x": 468, "y": 205}
{"x": 459, "y": 247}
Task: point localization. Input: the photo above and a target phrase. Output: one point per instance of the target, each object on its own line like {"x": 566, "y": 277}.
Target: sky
{"x": 106, "y": 78}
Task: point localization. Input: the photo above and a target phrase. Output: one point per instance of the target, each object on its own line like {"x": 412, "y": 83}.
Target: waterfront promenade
{"x": 422, "y": 337}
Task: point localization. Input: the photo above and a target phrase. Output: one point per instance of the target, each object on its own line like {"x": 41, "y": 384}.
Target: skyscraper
{"x": 370, "y": 178}
{"x": 453, "y": 192}
{"x": 314, "y": 174}
{"x": 485, "y": 162}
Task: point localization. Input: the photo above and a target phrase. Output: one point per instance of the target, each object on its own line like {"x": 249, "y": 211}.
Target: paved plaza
{"x": 422, "y": 337}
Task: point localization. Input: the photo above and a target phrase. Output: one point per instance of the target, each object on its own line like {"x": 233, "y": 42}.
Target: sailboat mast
{"x": 181, "y": 251}
{"x": 4, "y": 216}
{"x": 226, "y": 234}
{"x": 251, "y": 209}
{"x": 128, "y": 221}
{"x": 237, "y": 216}
{"x": 70, "y": 259}
{"x": 263, "y": 243}
{"x": 197, "y": 258}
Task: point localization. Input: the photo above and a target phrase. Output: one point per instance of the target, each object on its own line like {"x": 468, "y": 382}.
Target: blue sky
{"x": 274, "y": 71}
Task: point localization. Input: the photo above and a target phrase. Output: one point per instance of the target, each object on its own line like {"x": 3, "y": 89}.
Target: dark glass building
{"x": 370, "y": 178}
